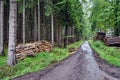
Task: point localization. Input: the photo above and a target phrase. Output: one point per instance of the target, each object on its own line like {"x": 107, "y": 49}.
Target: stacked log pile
{"x": 112, "y": 41}
{"x": 31, "y": 49}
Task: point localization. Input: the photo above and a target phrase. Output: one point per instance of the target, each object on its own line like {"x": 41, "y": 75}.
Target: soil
{"x": 79, "y": 66}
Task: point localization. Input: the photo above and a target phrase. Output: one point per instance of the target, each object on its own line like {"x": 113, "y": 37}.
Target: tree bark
{"x": 6, "y": 22}
{"x": 117, "y": 23}
{"x": 59, "y": 36}
{"x": 65, "y": 36}
{"x": 35, "y": 24}
{"x": 23, "y": 21}
{"x": 44, "y": 24}
{"x": 52, "y": 30}
{"x": 66, "y": 27}
{"x": 12, "y": 33}
{"x": 73, "y": 33}
{"x": 1, "y": 28}
{"x": 39, "y": 20}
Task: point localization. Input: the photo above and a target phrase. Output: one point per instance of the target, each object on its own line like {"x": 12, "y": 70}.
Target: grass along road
{"x": 31, "y": 64}
{"x": 109, "y": 54}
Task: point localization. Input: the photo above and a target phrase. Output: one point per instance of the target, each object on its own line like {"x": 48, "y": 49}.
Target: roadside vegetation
{"x": 31, "y": 64}
{"x": 109, "y": 54}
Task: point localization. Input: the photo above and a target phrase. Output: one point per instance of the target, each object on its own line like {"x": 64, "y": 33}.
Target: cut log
{"x": 112, "y": 41}
{"x": 31, "y": 49}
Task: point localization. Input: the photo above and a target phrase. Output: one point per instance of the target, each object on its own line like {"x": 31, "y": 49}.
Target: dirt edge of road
{"x": 107, "y": 68}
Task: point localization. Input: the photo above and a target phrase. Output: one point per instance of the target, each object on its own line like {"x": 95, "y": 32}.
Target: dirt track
{"x": 79, "y": 66}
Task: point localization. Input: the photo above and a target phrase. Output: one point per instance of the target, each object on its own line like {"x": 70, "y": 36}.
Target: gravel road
{"x": 79, "y": 66}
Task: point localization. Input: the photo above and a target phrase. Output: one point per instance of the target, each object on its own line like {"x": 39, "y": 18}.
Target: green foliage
{"x": 75, "y": 45}
{"x": 73, "y": 8}
{"x": 110, "y": 54}
{"x": 101, "y": 14}
{"x": 28, "y": 4}
{"x": 105, "y": 14}
{"x": 70, "y": 14}
{"x": 77, "y": 13}
{"x": 31, "y": 64}
{"x": 53, "y": 6}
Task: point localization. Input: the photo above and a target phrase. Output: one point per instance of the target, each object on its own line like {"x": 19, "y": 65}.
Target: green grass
{"x": 110, "y": 54}
{"x": 75, "y": 45}
{"x": 31, "y": 64}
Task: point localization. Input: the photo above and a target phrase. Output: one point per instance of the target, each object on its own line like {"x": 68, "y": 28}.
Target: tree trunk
{"x": 44, "y": 25}
{"x": 1, "y": 28}
{"x": 70, "y": 34}
{"x": 73, "y": 33}
{"x": 31, "y": 24}
{"x": 65, "y": 36}
{"x": 66, "y": 27}
{"x": 6, "y": 22}
{"x": 39, "y": 20}
{"x": 52, "y": 30}
{"x": 116, "y": 29}
{"x": 12, "y": 33}
{"x": 35, "y": 24}
{"x": 19, "y": 37}
{"x": 59, "y": 36}
{"x": 23, "y": 21}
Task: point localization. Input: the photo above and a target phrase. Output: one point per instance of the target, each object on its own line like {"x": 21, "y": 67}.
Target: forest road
{"x": 79, "y": 66}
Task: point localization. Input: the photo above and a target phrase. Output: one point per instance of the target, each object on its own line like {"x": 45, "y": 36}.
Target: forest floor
{"x": 79, "y": 66}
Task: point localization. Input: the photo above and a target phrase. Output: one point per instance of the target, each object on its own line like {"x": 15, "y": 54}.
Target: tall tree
{"x": 39, "y": 20}
{"x": 117, "y": 21}
{"x": 52, "y": 25}
{"x": 35, "y": 24}
{"x": 52, "y": 29}
{"x": 67, "y": 23}
{"x": 1, "y": 27}
{"x": 23, "y": 21}
{"x": 12, "y": 33}
{"x": 59, "y": 35}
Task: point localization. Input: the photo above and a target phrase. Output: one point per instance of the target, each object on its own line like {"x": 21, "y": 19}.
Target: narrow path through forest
{"x": 79, "y": 66}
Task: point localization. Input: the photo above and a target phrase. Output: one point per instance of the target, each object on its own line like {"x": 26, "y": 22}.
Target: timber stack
{"x": 109, "y": 41}
{"x": 31, "y": 49}
{"x": 112, "y": 41}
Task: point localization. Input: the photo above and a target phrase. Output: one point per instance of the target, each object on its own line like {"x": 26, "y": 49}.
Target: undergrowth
{"x": 110, "y": 54}
{"x": 31, "y": 64}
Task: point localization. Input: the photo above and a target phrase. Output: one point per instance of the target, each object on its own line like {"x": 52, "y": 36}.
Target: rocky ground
{"x": 79, "y": 66}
